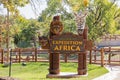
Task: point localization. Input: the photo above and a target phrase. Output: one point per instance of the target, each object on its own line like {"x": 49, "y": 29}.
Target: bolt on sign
{"x": 67, "y": 43}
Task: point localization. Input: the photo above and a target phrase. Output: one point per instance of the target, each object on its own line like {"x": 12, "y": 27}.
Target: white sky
{"x": 28, "y": 12}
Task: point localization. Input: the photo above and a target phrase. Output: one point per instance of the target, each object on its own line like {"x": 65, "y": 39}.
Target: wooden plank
{"x": 35, "y": 54}
{"x": 102, "y": 57}
{"x": 2, "y": 60}
{"x": 90, "y": 61}
{"x": 89, "y": 45}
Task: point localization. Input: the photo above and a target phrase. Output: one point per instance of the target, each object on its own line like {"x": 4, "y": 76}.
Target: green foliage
{"x": 28, "y": 34}
{"x": 12, "y": 8}
{"x": 22, "y": 32}
{"x": 101, "y": 18}
{"x": 76, "y": 5}
{"x": 67, "y": 18}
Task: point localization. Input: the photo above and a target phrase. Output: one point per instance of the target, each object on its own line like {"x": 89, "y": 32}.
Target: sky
{"x": 29, "y": 13}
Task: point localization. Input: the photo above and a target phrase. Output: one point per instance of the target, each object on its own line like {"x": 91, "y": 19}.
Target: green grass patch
{"x": 39, "y": 70}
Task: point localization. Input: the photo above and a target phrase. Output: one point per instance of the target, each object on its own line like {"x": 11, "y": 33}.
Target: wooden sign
{"x": 89, "y": 45}
{"x": 66, "y": 43}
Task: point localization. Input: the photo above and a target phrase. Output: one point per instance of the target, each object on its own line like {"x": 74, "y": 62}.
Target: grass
{"x": 39, "y": 70}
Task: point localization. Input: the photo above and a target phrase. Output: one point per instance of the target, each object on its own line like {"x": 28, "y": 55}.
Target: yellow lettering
{"x": 70, "y": 42}
{"x": 65, "y": 48}
{"x": 56, "y": 48}
{"x": 57, "y": 42}
{"x": 80, "y": 43}
{"x": 60, "y": 47}
{"x": 72, "y": 48}
{"x": 77, "y": 48}
{"x": 69, "y": 47}
{"x": 60, "y": 42}
{"x": 75, "y": 43}
{"x": 53, "y": 42}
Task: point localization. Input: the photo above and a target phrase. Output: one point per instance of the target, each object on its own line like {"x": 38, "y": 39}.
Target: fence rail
{"x": 22, "y": 54}
{"x": 109, "y": 55}
{"x": 106, "y": 55}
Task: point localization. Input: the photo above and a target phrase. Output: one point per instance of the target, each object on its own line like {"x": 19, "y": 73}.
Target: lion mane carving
{"x": 56, "y": 26}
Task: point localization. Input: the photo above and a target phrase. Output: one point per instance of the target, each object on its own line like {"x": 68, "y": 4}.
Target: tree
{"x": 18, "y": 25}
{"x": 27, "y": 34}
{"x": 102, "y": 16}
{"x": 67, "y": 18}
{"x": 11, "y": 6}
{"x": 101, "y": 20}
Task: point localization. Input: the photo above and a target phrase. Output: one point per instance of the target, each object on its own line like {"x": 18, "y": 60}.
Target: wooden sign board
{"x": 67, "y": 43}
{"x": 89, "y": 45}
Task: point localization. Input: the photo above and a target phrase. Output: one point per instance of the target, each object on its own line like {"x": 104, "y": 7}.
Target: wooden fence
{"x": 33, "y": 54}
{"x": 106, "y": 55}
{"x": 92, "y": 57}
{"x": 22, "y": 54}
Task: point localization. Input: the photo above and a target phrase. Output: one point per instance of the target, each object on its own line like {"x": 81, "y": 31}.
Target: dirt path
{"x": 114, "y": 73}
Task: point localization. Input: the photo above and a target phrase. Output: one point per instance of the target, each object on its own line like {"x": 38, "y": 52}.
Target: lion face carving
{"x": 56, "y": 26}
{"x": 56, "y": 29}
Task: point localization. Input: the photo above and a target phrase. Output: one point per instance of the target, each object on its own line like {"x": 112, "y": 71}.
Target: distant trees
{"x": 103, "y": 18}
{"x": 26, "y": 33}
{"x": 12, "y": 13}
{"x": 17, "y": 29}
{"x": 60, "y": 9}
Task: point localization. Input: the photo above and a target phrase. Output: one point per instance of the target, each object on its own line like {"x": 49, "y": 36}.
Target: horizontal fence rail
{"x": 22, "y": 54}
{"x": 109, "y": 55}
{"x": 106, "y": 55}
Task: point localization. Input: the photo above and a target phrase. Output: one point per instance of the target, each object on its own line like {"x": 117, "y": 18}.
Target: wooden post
{"x": 95, "y": 50}
{"x": 90, "y": 61}
{"x": 54, "y": 63}
{"x": 109, "y": 58}
{"x": 95, "y": 58}
{"x": 85, "y": 63}
{"x": 102, "y": 57}
{"x": 85, "y": 33}
{"x": 19, "y": 55}
{"x": 66, "y": 58}
{"x": 80, "y": 64}
{"x": 0, "y": 56}
{"x": 82, "y": 56}
{"x": 35, "y": 54}
{"x": 2, "y": 59}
